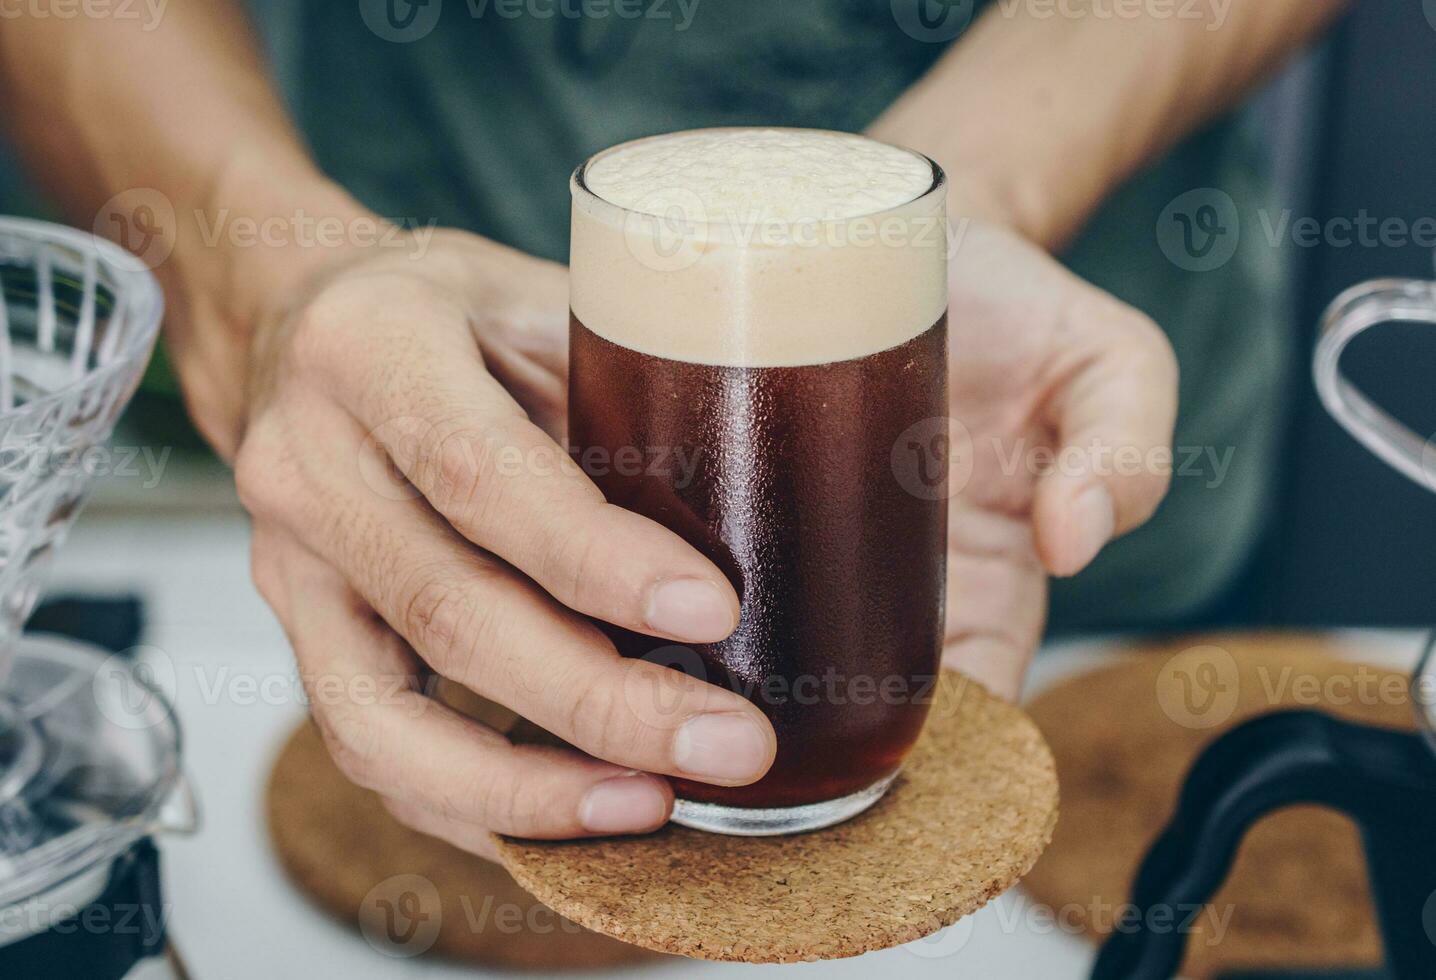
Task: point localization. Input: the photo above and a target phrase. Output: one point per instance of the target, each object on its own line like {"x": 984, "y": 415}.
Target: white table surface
{"x": 234, "y": 915}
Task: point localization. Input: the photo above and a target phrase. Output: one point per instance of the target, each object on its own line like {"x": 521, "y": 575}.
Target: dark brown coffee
{"x": 788, "y": 480}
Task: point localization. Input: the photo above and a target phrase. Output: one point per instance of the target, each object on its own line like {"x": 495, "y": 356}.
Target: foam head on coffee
{"x": 758, "y": 247}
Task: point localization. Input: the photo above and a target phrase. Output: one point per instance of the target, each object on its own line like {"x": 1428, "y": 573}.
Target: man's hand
{"x": 479, "y": 560}
{"x": 1065, "y": 400}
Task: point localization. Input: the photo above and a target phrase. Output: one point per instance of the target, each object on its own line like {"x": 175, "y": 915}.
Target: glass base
{"x": 740, "y": 821}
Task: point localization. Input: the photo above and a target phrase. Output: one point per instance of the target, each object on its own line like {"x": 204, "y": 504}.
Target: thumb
{"x": 1113, "y": 414}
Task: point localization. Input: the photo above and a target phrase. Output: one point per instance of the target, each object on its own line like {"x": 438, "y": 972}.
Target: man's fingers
{"x": 628, "y": 803}
{"x": 996, "y": 598}
{"x": 1114, "y": 414}
{"x": 455, "y": 777}
{"x": 503, "y": 483}
{"x": 462, "y": 834}
{"x": 992, "y": 661}
{"x": 477, "y": 621}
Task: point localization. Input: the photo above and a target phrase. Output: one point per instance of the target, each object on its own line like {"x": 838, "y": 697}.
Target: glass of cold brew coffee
{"x": 759, "y": 363}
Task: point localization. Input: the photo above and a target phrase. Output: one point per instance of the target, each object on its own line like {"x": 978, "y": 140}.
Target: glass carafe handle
{"x": 1353, "y": 312}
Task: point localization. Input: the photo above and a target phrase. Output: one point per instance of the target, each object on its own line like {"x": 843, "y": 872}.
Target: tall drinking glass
{"x": 759, "y": 363}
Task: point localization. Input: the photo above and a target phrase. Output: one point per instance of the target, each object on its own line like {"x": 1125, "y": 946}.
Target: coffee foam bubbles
{"x": 760, "y": 175}
{"x": 758, "y": 247}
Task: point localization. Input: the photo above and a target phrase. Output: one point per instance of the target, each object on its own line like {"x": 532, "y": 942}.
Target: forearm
{"x": 180, "y": 120}
{"x": 1041, "y": 110}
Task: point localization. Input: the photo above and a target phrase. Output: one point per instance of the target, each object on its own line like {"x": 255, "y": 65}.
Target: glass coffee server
{"x": 1384, "y": 780}
{"x": 89, "y": 752}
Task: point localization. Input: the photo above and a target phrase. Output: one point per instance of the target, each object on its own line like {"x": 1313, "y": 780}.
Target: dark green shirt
{"x": 474, "y": 112}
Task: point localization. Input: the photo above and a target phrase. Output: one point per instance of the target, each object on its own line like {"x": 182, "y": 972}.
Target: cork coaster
{"x": 408, "y": 893}
{"x": 1124, "y": 737}
{"x": 973, "y": 809}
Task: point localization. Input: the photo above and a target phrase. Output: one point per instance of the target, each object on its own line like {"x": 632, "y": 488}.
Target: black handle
{"x": 106, "y": 938}
{"x": 1384, "y": 780}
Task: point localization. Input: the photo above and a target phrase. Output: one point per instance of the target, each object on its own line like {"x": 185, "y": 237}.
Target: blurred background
{"x": 1353, "y": 541}
{"x": 1348, "y": 542}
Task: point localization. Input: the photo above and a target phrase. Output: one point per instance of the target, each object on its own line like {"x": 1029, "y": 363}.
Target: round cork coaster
{"x": 1124, "y": 737}
{"x": 970, "y": 813}
{"x": 407, "y": 893}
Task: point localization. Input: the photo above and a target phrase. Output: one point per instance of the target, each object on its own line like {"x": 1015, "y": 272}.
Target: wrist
{"x": 245, "y": 246}
{"x": 980, "y": 187}
{"x": 258, "y": 236}
{"x": 975, "y": 194}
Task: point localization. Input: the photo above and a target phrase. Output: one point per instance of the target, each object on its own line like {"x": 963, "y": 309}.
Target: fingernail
{"x": 690, "y": 609}
{"x": 623, "y": 804}
{"x": 1093, "y": 521}
{"x": 726, "y": 747}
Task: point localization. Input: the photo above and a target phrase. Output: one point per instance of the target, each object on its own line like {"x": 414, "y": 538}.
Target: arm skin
{"x": 101, "y": 105}
{"x": 1038, "y": 118}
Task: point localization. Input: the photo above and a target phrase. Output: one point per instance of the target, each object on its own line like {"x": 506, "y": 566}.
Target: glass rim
{"x": 144, "y": 302}
{"x": 578, "y": 185}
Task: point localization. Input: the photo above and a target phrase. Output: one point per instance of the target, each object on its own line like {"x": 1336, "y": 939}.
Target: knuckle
{"x": 503, "y": 801}
{"x": 569, "y": 560}
{"x": 600, "y": 721}
{"x": 255, "y": 472}
{"x": 401, "y": 812}
{"x": 471, "y": 469}
{"x": 434, "y": 613}
{"x": 324, "y": 329}
{"x": 460, "y": 465}
{"x": 448, "y": 624}
{"x": 1157, "y": 349}
{"x": 354, "y": 744}
{"x": 266, "y": 571}
{"x": 1149, "y": 489}
{"x": 1146, "y": 345}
